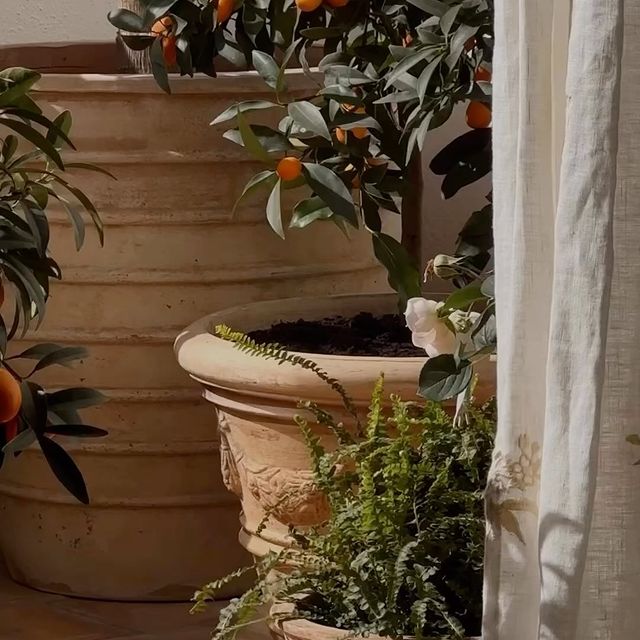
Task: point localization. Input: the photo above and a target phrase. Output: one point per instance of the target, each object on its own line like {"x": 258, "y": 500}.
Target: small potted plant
{"x": 36, "y": 424}
{"x": 400, "y": 550}
{"x": 391, "y": 73}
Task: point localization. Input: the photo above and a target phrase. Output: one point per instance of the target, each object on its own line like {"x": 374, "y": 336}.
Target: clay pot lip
{"x": 237, "y": 81}
{"x": 219, "y": 364}
{"x": 201, "y": 328}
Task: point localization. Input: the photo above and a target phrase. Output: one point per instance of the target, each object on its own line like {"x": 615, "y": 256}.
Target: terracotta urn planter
{"x": 160, "y": 523}
{"x": 264, "y": 459}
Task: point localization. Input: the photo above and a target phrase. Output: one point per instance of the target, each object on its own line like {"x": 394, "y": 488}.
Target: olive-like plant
{"x": 33, "y": 175}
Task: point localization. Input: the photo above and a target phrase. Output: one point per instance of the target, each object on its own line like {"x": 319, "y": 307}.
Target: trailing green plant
{"x": 32, "y": 177}
{"x": 402, "y": 551}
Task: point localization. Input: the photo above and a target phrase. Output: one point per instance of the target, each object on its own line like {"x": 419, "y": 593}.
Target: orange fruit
{"x": 11, "y": 429}
{"x": 225, "y": 9}
{"x": 478, "y": 115}
{"x": 337, "y": 3}
{"x": 289, "y": 168}
{"x": 308, "y": 5}
{"x": 341, "y": 136}
{"x": 470, "y": 44}
{"x": 163, "y": 27}
{"x": 482, "y": 75}
{"x": 169, "y": 50}
{"x": 360, "y": 132}
{"x": 10, "y": 396}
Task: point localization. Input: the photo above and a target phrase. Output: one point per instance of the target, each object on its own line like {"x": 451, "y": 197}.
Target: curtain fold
{"x": 566, "y": 248}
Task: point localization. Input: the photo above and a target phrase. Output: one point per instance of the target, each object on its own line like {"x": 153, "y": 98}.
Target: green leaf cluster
{"x": 32, "y": 177}
{"x": 390, "y": 73}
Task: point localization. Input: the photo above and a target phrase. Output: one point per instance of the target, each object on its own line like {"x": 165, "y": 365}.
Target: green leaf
{"x": 308, "y": 211}
{"x": 75, "y": 398}
{"x": 137, "y": 42}
{"x": 330, "y": 188}
{"x": 155, "y": 9}
{"x": 444, "y": 377}
{"x": 259, "y": 181}
{"x": 53, "y": 354}
{"x": 267, "y": 67}
{"x": 425, "y": 78}
{"x": 126, "y": 20}
{"x": 404, "y": 276}
{"x": 432, "y": 7}
{"x": 15, "y": 82}
{"x": 64, "y": 468}
{"x": 76, "y": 431}
{"x": 251, "y": 142}
{"x": 243, "y": 107}
{"x": 90, "y": 167}
{"x": 447, "y": 20}
{"x": 272, "y": 141}
{"x": 309, "y": 118}
{"x": 9, "y": 147}
{"x": 463, "y": 298}
{"x": 274, "y": 212}
{"x": 489, "y": 287}
{"x": 406, "y": 64}
{"x": 35, "y": 138}
{"x": 54, "y": 131}
{"x": 158, "y": 67}
{"x": 21, "y": 442}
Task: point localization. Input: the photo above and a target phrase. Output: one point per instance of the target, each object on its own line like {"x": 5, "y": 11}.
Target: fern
{"x": 401, "y": 554}
{"x": 274, "y": 351}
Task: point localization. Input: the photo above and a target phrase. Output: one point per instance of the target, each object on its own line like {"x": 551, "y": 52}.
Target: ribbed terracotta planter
{"x": 265, "y": 461}
{"x": 160, "y": 522}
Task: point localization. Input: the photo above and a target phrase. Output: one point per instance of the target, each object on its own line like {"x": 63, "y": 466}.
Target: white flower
{"x": 431, "y": 332}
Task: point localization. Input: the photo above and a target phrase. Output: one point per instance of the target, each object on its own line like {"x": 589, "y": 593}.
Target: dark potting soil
{"x": 362, "y": 335}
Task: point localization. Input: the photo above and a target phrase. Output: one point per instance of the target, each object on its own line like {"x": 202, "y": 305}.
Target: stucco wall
{"x": 54, "y": 20}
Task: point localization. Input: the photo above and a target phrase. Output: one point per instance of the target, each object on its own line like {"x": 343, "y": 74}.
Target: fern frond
{"x": 326, "y": 420}
{"x": 375, "y": 417}
{"x": 274, "y": 351}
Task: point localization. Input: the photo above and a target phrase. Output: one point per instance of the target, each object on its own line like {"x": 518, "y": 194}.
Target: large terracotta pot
{"x": 160, "y": 523}
{"x": 265, "y": 461}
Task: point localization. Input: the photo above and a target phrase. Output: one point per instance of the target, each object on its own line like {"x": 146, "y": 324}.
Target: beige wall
{"x": 54, "y": 20}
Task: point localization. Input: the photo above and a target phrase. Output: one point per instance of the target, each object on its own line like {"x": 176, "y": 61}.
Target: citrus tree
{"x": 33, "y": 175}
{"x": 391, "y": 72}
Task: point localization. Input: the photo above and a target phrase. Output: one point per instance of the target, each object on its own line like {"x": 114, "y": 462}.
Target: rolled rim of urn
{"x": 230, "y": 375}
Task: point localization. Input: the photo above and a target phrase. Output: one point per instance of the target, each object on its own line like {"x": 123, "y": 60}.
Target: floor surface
{"x": 30, "y": 615}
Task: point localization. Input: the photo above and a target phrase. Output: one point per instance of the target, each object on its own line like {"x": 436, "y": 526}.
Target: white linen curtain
{"x": 563, "y": 501}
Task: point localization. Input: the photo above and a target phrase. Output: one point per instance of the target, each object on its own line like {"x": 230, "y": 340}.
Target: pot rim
{"x": 219, "y": 365}
{"x": 230, "y": 374}
{"x": 240, "y": 310}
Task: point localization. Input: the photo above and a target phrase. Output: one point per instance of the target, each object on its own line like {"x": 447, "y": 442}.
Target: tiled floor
{"x": 31, "y": 615}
